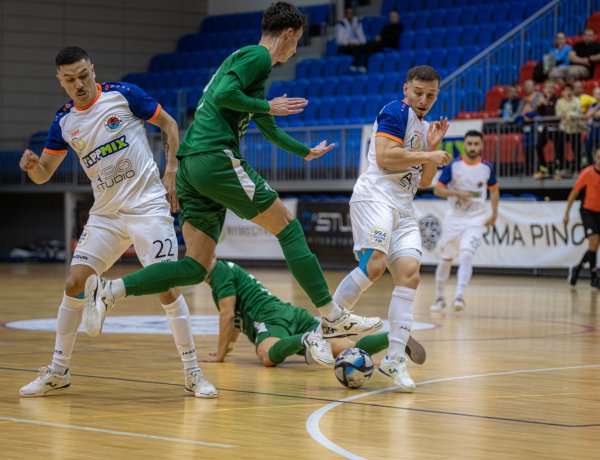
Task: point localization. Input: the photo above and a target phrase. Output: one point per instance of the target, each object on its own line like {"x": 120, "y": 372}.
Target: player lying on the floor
{"x": 277, "y": 329}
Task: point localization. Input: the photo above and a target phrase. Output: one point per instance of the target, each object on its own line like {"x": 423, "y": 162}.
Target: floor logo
{"x": 201, "y": 325}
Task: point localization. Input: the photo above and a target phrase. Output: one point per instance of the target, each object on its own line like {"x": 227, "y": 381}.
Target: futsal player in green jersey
{"x": 277, "y": 329}
{"x": 213, "y": 177}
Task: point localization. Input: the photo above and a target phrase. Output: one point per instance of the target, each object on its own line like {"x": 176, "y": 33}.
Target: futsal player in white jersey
{"x": 104, "y": 124}
{"x": 402, "y": 156}
{"x": 465, "y": 182}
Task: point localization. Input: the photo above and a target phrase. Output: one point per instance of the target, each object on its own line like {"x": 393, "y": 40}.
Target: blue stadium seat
{"x": 316, "y": 68}
{"x": 344, "y": 86}
{"x": 423, "y": 57}
{"x": 355, "y": 114}
{"x": 359, "y": 85}
{"x": 376, "y": 63}
{"x": 453, "y": 17}
{"x": 387, "y": 6}
{"x": 300, "y": 87}
{"x": 484, "y": 35}
{"x": 409, "y": 21}
{"x": 331, "y": 48}
{"x": 391, "y": 62}
{"x": 302, "y": 68}
{"x": 438, "y": 38}
{"x": 438, "y": 19}
{"x": 375, "y": 83}
{"x": 341, "y": 109}
{"x": 406, "y": 59}
{"x": 310, "y": 113}
{"x": 326, "y": 111}
{"x": 407, "y": 40}
{"x": 329, "y": 86}
{"x": 454, "y": 57}
{"x": 454, "y": 36}
{"x": 438, "y": 58}
{"x": 501, "y": 12}
{"x": 470, "y": 51}
{"x": 315, "y": 88}
{"x": 392, "y": 83}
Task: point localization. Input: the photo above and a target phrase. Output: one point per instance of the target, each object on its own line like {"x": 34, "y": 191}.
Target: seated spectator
{"x": 509, "y": 106}
{"x": 547, "y": 130}
{"x": 527, "y": 107}
{"x": 585, "y": 99}
{"x": 389, "y": 37}
{"x": 582, "y": 59}
{"x": 593, "y": 138}
{"x": 568, "y": 109}
{"x": 350, "y": 35}
{"x": 558, "y": 56}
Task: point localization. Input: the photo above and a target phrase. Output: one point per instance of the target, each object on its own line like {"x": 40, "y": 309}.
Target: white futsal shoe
{"x": 349, "y": 325}
{"x": 196, "y": 384}
{"x": 317, "y": 350}
{"x": 396, "y": 370}
{"x": 439, "y": 305}
{"x": 46, "y": 382}
{"x": 459, "y": 305}
{"x": 98, "y": 300}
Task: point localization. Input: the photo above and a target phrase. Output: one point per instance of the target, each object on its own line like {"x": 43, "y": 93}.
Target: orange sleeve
{"x": 581, "y": 181}
{"x": 156, "y": 112}
{"x": 389, "y": 136}
{"x": 441, "y": 184}
{"x": 54, "y": 152}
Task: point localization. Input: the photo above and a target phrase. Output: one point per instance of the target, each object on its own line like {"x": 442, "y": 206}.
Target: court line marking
{"x": 312, "y": 423}
{"x": 348, "y": 401}
{"x": 118, "y": 433}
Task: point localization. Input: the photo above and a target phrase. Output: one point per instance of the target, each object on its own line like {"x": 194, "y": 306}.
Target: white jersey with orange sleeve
{"x": 475, "y": 178}
{"x": 110, "y": 140}
{"x": 396, "y": 121}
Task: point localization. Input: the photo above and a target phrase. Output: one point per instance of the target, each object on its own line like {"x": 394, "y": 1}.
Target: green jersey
{"x": 234, "y": 95}
{"x": 229, "y": 279}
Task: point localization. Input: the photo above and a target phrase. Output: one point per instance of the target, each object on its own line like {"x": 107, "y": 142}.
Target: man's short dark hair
{"x": 70, "y": 55}
{"x": 282, "y": 15}
{"x": 474, "y": 133}
{"x": 424, "y": 73}
{"x": 568, "y": 86}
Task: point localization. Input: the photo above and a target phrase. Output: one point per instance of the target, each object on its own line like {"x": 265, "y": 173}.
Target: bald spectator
{"x": 510, "y": 105}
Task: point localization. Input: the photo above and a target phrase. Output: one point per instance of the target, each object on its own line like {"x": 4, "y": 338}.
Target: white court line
{"x": 118, "y": 433}
{"x": 312, "y": 423}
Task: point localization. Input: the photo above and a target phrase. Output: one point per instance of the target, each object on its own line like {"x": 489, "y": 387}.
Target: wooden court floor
{"x": 516, "y": 376}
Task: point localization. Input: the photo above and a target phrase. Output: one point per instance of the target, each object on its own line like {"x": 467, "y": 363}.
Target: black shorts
{"x": 591, "y": 221}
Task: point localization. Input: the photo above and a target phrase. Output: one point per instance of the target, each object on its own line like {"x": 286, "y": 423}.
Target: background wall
{"x": 120, "y": 37}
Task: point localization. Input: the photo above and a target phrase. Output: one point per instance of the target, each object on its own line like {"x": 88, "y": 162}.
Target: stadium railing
{"x": 498, "y": 64}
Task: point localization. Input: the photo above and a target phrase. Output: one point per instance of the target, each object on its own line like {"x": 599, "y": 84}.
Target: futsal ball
{"x": 353, "y": 367}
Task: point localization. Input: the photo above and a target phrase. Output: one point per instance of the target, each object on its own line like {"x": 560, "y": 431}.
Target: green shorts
{"x": 281, "y": 320}
{"x": 209, "y": 183}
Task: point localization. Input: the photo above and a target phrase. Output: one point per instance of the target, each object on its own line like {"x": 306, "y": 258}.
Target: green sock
{"x": 285, "y": 347}
{"x": 304, "y": 264}
{"x": 161, "y": 276}
{"x": 373, "y": 343}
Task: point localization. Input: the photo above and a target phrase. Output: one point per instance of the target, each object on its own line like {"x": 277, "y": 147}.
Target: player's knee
{"x": 168, "y": 297}
{"x": 376, "y": 265}
{"x": 74, "y": 285}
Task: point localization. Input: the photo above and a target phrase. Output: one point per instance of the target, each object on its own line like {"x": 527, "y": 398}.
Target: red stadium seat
{"x": 509, "y": 146}
{"x": 493, "y": 98}
{"x": 526, "y": 72}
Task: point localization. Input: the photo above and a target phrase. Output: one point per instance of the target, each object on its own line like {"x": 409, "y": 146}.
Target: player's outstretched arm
{"x": 230, "y": 94}
{"x": 227, "y": 330}
{"x": 40, "y": 169}
{"x": 319, "y": 150}
{"x": 170, "y": 141}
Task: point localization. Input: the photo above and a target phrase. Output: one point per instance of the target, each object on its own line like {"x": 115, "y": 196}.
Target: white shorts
{"x": 105, "y": 238}
{"x": 460, "y": 234}
{"x": 379, "y": 226}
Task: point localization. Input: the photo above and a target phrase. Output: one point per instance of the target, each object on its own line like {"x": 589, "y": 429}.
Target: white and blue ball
{"x": 353, "y": 367}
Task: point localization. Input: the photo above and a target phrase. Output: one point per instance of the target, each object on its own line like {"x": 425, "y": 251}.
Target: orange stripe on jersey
{"x": 441, "y": 184}
{"x": 91, "y": 103}
{"x": 156, "y": 112}
{"x": 389, "y": 136}
{"x": 54, "y": 152}
{"x": 492, "y": 187}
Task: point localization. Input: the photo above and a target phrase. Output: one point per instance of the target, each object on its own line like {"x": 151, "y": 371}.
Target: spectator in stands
{"x": 592, "y": 141}
{"x": 389, "y": 37}
{"x": 585, "y": 99}
{"x": 509, "y": 106}
{"x": 582, "y": 59}
{"x": 526, "y": 112}
{"x": 546, "y": 130}
{"x": 350, "y": 36}
{"x": 556, "y": 57}
{"x": 568, "y": 109}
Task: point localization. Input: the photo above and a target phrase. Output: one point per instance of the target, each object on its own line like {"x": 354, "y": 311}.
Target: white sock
{"x": 67, "y": 323}
{"x": 330, "y": 311}
{"x": 178, "y": 316}
{"x": 117, "y": 288}
{"x": 465, "y": 270}
{"x": 442, "y": 273}
{"x": 400, "y": 315}
{"x": 351, "y": 288}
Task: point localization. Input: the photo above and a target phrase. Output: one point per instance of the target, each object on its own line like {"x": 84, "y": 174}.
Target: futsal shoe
{"x": 98, "y": 300}
{"x": 415, "y": 351}
{"x": 45, "y": 383}
{"x": 317, "y": 350}
{"x": 574, "y": 272}
{"x": 396, "y": 370}
{"x": 439, "y": 305}
{"x": 196, "y": 384}
{"x": 458, "y": 305}
{"x": 349, "y": 325}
